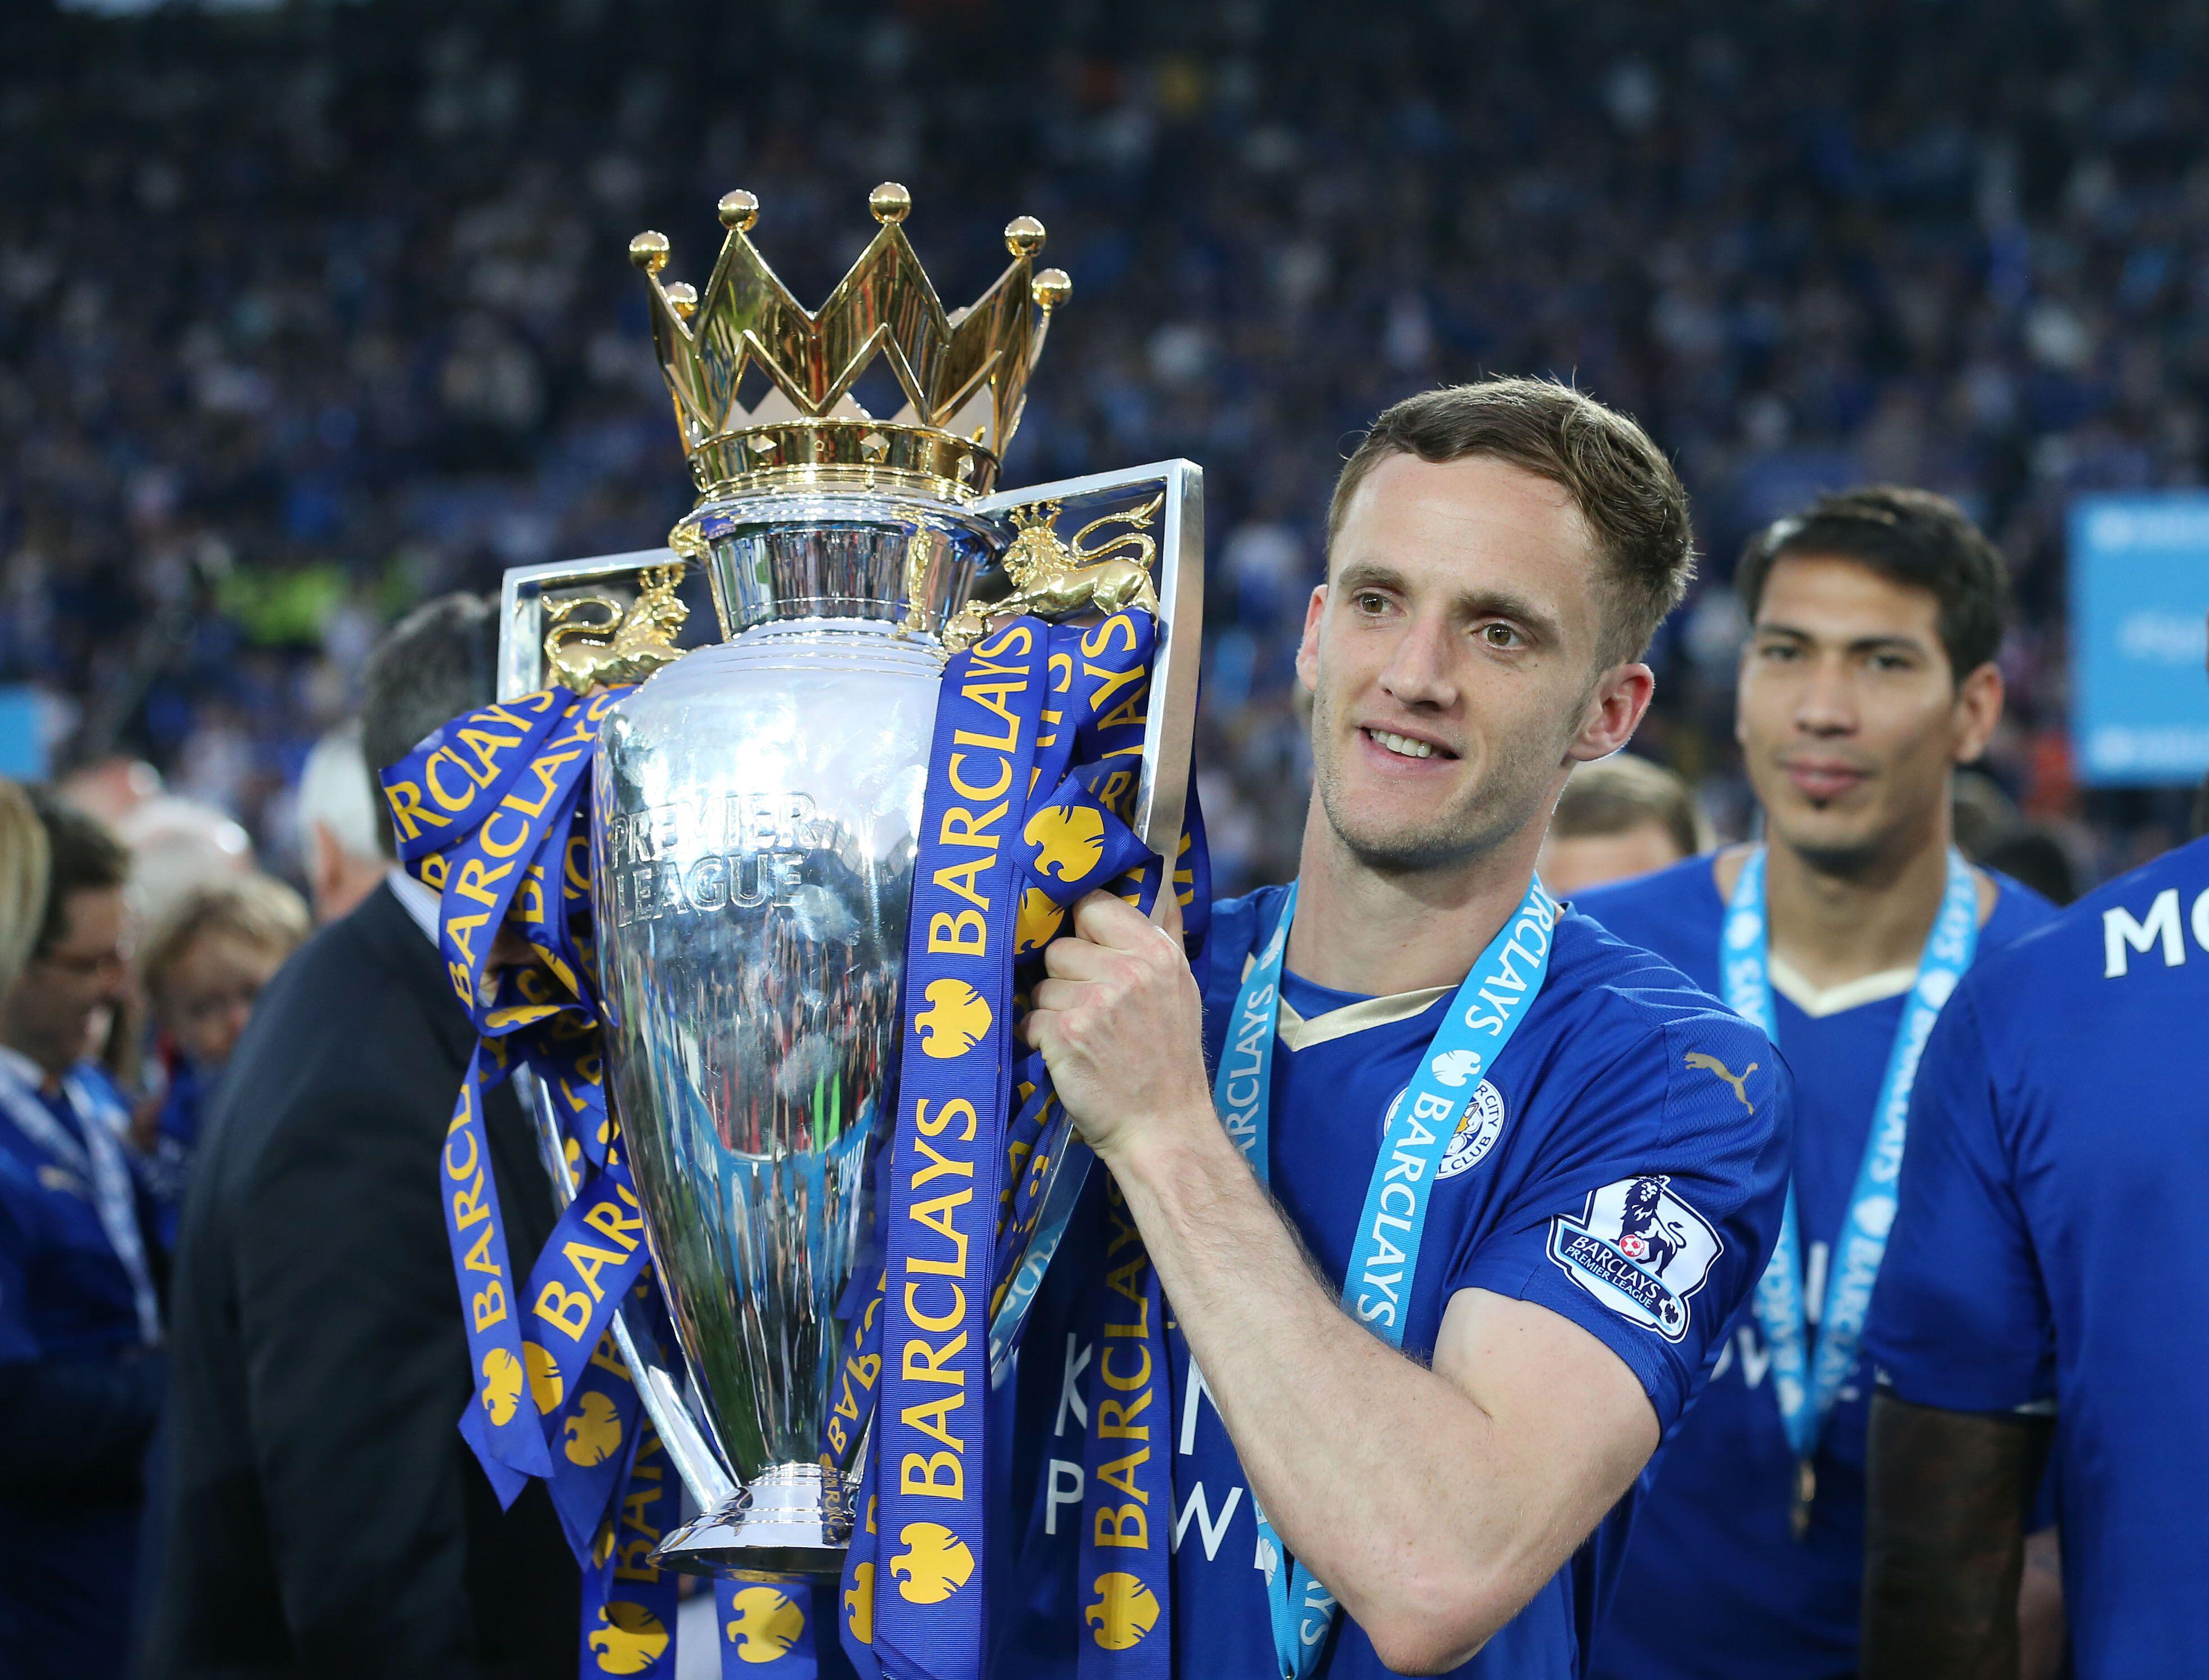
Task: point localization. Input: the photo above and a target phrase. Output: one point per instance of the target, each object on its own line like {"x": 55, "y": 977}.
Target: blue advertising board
{"x": 22, "y": 733}
{"x": 2139, "y": 603}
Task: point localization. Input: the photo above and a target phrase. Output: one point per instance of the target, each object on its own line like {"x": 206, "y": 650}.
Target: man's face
{"x": 1451, "y": 657}
{"x": 1849, "y": 716}
{"x": 60, "y": 1006}
{"x": 207, "y": 994}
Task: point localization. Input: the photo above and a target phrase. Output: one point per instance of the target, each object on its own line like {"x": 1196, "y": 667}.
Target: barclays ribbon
{"x": 489, "y": 811}
{"x": 1069, "y": 828}
{"x": 1126, "y": 1518}
{"x": 1807, "y": 1387}
{"x": 1032, "y": 795}
{"x": 1482, "y": 1017}
{"x": 954, "y": 1089}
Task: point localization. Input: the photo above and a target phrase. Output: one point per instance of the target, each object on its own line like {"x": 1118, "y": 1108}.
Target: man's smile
{"x": 1395, "y": 744}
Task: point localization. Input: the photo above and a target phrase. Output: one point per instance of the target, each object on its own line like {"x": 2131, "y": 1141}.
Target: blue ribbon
{"x": 491, "y": 812}
{"x": 1384, "y": 1256}
{"x": 1807, "y": 1391}
{"x": 1069, "y": 829}
{"x": 1127, "y": 1517}
{"x": 954, "y": 1089}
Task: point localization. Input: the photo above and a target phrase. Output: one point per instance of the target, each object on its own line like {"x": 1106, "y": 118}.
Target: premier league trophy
{"x": 757, "y": 804}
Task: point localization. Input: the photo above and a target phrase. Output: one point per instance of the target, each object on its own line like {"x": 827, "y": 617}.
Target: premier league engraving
{"x": 755, "y": 815}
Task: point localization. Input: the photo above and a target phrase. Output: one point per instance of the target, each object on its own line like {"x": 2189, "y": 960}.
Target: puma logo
{"x": 1738, "y": 1081}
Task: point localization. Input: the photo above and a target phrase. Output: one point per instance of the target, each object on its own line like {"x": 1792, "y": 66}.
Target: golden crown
{"x": 964, "y": 374}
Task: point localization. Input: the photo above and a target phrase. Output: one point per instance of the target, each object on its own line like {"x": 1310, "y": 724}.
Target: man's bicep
{"x": 1651, "y": 1230}
{"x": 1514, "y": 1357}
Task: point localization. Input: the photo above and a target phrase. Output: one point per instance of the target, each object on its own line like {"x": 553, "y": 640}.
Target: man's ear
{"x": 1613, "y": 711}
{"x": 1308, "y": 648}
{"x": 325, "y": 864}
{"x": 1978, "y": 709}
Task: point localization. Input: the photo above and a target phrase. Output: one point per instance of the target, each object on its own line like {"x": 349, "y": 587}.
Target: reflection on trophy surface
{"x": 756, "y": 804}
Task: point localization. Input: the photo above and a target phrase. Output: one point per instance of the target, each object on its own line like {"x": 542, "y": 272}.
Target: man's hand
{"x": 1120, "y": 1024}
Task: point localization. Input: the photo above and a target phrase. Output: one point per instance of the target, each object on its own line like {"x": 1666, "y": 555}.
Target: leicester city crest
{"x": 1639, "y": 1249}
{"x": 1479, "y": 1124}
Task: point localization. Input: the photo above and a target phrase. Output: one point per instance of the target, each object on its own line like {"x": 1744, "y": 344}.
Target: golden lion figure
{"x": 616, "y": 647}
{"x": 1057, "y": 580}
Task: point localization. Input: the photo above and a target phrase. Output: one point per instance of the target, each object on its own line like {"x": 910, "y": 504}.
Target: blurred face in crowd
{"x": 209, "y": 990}
{"x": 1574, "y": 863}
{"x": 59, "y": 1010}
{"x": 1452, "y": 657}
{"x": 1850, "y": 719}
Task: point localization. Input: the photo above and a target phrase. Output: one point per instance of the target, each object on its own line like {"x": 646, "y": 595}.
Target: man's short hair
{"x": 256, "y": 909}
{"x": 338, "y": 790}
{"x": 437, "y": 661}
{"x": 82, "y": 855}
{"x": 1617, "y": 478}
{"x": 1622, "y": 793}
{"x": 1910, "y": 537}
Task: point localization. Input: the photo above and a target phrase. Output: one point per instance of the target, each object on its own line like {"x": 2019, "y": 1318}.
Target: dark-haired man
{"x": 1867, "y": 677}
{"x": 326, "y": 1518}
{"x": 79, "y": 1378}
{"x": 1444, "y": 1187}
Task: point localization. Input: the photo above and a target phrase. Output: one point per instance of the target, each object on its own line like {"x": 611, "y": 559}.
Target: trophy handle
{"x": 1161, "y": 806}
{"x": 524, "y": 618}
{"x": 1169, "y": 729}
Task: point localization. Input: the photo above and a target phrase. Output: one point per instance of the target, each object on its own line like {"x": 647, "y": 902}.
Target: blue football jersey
{"x": 1603, "y": 1102}
{"x": 1714, "y": 1585}
{"x": 2058, "y": 1136}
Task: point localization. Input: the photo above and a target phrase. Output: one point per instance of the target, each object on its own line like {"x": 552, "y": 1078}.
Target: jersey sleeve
{"x": 1959, "y": 1319}
{"x": 1652, "y": 1208}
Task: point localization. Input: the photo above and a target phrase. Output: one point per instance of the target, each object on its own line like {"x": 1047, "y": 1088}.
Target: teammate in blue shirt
{"x": 2040, "y": 1285}
{"x": 1868, "y": 676}
{"x": 1449, "y": 1195}
{"x": 80, "y": 1380}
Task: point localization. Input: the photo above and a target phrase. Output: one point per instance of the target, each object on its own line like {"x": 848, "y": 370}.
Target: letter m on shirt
{"x": 2122, "y": 935}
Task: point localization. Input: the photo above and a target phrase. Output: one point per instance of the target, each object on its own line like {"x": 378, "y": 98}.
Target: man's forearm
{"x": 1945, "y": 1541}
{"x": 1369, "y": 1465}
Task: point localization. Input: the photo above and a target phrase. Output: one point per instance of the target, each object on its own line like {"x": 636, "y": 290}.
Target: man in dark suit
{"x": 324, "y": 1517}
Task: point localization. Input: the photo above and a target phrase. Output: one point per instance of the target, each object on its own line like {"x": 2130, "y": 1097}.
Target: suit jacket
{"x": 323, "y": 1516}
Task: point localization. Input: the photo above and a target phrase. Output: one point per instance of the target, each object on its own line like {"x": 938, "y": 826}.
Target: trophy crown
{"x": 762, "y": 387}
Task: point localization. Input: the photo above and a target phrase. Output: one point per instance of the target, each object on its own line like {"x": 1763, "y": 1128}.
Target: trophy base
{"x": 791, "y": 1521}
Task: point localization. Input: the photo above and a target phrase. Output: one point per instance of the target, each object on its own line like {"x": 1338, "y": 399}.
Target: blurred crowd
{"x": 308, "y": 313}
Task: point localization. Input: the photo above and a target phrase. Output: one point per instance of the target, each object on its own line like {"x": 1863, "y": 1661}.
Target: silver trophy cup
{"x": 754, "y": 815}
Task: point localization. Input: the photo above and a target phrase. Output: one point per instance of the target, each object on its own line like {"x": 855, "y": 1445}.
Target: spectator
{"x": 22, "y": 879}
{"x": 326, "y": 1515}
{"x": 1620, "y": 816}
{"x": 203, "y": 971}
{"x": 81, "y": 1375}
{"x": 339, "y": 819}
{"x": 307, "y": 313}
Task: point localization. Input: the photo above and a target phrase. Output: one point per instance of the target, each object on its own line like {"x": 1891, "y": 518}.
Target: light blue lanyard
{"x": 1807, "y": 1391}
{"x": 1384, "y": 1259}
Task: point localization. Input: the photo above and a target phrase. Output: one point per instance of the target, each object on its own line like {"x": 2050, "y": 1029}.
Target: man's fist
{"x": 1120, "y": 1024}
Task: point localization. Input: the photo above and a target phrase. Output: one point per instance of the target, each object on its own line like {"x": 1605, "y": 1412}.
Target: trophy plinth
{"x": 791, "y": 1521}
